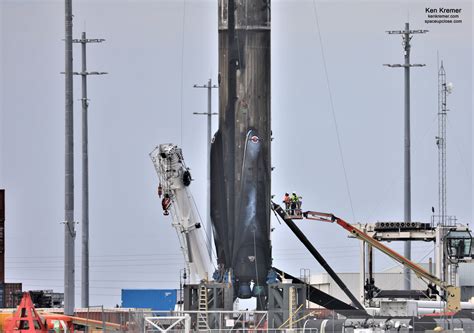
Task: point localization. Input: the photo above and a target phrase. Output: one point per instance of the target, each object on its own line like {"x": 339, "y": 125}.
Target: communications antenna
{"x": 443, "y": 90}
{"x": 446, "y": 267}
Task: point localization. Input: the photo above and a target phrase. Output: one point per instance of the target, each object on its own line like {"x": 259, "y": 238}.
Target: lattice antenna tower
{"x": 444, "y": 89}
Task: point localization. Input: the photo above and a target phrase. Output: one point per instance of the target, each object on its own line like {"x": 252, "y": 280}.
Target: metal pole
{"x": 406, "y": 33}
{"x": 85, "y": 167}
{"x": 103, "y": 320}
{"x": 85, "y": 182}
{"x": 69, "y": 232}
{"x": 370, "y": 254}
{"x": 363, "y": 274}
{"x": 407, "y": 166}
{"x": 209, "y": 115}
{"x": 209, "y": 138}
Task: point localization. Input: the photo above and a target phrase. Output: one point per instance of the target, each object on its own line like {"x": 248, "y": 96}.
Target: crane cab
{"x": 459, "y": 244}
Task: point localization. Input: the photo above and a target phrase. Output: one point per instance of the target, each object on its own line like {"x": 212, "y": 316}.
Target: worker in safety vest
{"x": 287, "y": 201}
{"x": 295, "y": 204}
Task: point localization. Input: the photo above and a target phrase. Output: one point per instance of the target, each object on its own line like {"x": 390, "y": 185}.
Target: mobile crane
{"x": 175, "y": 179}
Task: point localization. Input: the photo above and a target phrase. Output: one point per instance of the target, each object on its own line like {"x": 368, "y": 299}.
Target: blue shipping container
{"x": 155, "y": 299}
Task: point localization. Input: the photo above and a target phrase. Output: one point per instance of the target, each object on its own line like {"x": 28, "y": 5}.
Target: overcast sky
{"x": 155, "y": 52}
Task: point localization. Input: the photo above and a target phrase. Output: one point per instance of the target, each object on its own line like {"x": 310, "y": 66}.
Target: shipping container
{"x": 12, "y": 294}
{"x": 155, "y": 299}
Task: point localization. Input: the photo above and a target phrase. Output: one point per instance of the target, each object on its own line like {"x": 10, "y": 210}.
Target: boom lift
{"x": 356, "y": 306}
{"x": 452, "y": 293}
{"x": 174, "y": 179}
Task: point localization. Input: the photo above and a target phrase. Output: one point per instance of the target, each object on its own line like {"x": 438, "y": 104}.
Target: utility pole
{"x": 406, "y": 37}
{"x": 209, "y": 115}
{"x": 69, "y": 228}
{"x": 85, "y": 169}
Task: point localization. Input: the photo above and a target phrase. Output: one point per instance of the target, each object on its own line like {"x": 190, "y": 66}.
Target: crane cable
{"x": 332, "y": 109}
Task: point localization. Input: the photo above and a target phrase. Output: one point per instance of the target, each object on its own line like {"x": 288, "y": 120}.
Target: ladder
{"x": 292, "y": 306}
{"x": 203, "y": 303}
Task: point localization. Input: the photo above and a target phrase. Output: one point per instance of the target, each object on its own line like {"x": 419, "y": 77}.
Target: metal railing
{"x": 446, "y": 220}
{"x": 311, "y": 320}
{"x": 217, "y": 321}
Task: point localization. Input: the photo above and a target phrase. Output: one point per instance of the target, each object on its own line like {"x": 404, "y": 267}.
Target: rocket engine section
{"x": 240, "y": 153}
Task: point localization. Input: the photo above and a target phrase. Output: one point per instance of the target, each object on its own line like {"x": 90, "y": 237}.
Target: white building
{"x": 391, "y": 279}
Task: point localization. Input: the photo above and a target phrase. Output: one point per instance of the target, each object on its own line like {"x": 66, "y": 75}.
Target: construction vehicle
{"x": 27, "y": 319}
{"x": 325, "y": 300}
{"x": 175, "y": 178}
{"x": 452, "y": 294}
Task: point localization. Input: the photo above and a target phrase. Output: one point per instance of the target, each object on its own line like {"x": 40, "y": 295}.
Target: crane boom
{"x": 452, "y": 293}
{"x": 174, "y": 179}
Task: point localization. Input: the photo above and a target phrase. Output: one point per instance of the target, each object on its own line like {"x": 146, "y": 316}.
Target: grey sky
{"x": 148, "y": 99}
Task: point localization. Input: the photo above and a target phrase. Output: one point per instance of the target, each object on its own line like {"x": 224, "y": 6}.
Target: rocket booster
{"x": 240, "y": 153}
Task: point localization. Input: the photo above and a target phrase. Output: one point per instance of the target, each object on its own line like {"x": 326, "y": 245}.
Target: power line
{"x": 333, "y": 112}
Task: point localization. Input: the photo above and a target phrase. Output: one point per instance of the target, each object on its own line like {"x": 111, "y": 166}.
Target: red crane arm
{"x": 420, "y": 271}
{"x": 452, "y": 293}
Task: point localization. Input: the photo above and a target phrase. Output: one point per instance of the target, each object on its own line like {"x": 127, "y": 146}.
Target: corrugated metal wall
{"x": 392, "y": 280}
{"x": 466, "y": 281}
{"x": 466, "y": 274}
{"x": 382, "y": 280}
